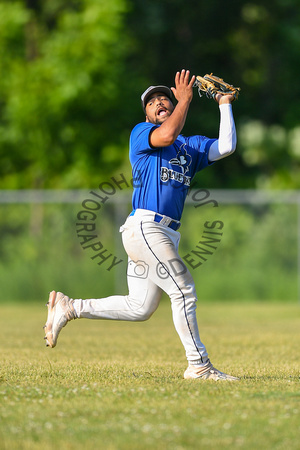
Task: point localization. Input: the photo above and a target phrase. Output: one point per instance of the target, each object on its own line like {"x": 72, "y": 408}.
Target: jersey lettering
{"x": 169, "y": 174}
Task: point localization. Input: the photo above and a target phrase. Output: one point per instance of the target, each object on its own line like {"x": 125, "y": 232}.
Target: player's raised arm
{"x": 225, "y": 145}
{"x": 160, "y": 110}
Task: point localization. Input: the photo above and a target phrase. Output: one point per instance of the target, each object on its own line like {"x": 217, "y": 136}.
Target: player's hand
{"x": 183, "y": 90}
{"x": 222, "y": 99}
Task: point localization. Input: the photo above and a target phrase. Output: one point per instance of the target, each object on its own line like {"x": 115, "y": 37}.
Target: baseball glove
{"x": 211, "y": 85}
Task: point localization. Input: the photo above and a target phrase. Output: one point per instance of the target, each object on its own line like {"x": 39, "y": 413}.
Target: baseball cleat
{"x": 207, "y": 372}
{"x": 60, "y": 312}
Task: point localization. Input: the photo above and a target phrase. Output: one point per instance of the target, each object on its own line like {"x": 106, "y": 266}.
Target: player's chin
{"x": 160, "y": 120}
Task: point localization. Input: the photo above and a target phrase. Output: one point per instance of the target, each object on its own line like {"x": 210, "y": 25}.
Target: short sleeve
{"x": 139, "y": 139}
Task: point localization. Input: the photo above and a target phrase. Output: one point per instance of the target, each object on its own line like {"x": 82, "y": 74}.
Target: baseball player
{"x": 165, "y": 162}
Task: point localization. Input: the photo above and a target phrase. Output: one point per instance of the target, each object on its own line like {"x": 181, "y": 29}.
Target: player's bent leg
{"x": 138, "y": 306}
{"x": 60, "y": 312}
{"x": 142, "y": 301}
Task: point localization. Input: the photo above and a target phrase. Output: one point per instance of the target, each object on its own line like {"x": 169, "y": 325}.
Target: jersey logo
{"x": 183, "y": 159}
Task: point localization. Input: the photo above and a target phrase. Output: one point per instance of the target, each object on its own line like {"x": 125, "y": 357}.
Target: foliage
{"x": 72, "y": 73}
{"x": 62, "y": 83}
{"x": 254, "y": 45}
{"x": 255, "y": 258}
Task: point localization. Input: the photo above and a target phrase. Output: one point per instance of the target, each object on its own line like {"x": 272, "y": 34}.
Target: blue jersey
{"x": 162, "y": 176}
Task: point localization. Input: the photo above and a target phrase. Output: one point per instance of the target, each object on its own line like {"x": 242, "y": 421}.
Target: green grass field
{"x": 113, "y": 385}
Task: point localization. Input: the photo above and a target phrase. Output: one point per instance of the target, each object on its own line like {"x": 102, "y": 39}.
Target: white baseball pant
{"x": 154, "y": 265}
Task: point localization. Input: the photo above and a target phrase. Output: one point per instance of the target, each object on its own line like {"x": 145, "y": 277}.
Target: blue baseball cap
{"x": 151, "y": 90}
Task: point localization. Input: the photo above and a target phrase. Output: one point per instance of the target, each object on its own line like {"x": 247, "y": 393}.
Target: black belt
{"x": 174, "y": 224}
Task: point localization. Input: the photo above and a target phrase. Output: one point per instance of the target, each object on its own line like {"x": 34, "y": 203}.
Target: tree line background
{"x": 72, "y": 72}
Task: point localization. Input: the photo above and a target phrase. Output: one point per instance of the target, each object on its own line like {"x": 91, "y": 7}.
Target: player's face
{"x": 158, "y": 108}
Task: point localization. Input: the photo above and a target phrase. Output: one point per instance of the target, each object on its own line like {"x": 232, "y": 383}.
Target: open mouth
{"x": 162, "y": 112}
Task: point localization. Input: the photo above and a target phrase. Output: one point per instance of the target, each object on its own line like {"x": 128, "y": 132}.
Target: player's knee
{"x": 143, "y": 311}
{"x": 143, "y": 307}
{"x": 142, "y": 314}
